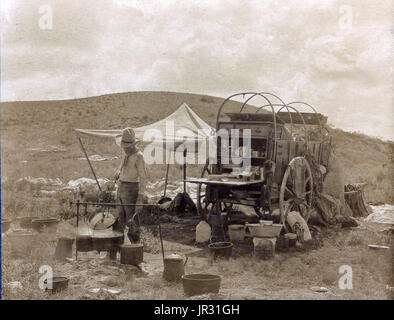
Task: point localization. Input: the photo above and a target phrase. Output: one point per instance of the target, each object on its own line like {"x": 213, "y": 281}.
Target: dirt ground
{"x": 289, "y": 275}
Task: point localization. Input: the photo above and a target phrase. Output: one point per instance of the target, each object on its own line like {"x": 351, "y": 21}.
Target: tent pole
{"x": 184, "y": 170}
{"x": 166, "y": 181}
{"x": 90, "y": 165}
{"x": 167, "y": 169}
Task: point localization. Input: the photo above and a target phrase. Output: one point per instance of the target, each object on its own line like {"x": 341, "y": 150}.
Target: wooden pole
{"x": 161, "y": 237}
{"x": 76, "y": 247}
{"x": 114, "y": 204}
{"x": 124, "y": 211}
{"x": 184, "y": 170}
{"x": 166, "y": 180}
{"x": 90, "y": 165}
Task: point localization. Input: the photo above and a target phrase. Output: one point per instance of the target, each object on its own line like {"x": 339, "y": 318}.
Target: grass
{"x": 289, "y": 275}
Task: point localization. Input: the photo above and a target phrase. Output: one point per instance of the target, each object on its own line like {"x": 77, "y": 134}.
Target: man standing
{"x": 132, "y": 183}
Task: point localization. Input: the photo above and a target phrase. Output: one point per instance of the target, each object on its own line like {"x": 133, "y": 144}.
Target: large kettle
{"x": 174, "y": 267}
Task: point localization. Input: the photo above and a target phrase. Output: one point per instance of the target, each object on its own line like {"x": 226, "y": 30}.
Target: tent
{"x": 182, "y": 127}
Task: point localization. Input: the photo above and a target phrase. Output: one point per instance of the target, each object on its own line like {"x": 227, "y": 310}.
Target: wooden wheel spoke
{"x": 287, "y": 210}
{"x": 291, "y": 199}
{"x": 289, "y": 191}
{"x": 288, "y": 201}
{"x": 291, "y": 176}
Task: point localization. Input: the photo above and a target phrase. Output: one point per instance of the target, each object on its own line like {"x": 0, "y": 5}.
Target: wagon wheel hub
{"x": 297, "y": 201}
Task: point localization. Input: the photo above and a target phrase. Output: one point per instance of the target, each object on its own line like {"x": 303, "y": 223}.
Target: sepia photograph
{"x": 197, "y": 154}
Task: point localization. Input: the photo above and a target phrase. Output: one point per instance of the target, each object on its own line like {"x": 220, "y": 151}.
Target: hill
{"x": 33, "y": 125}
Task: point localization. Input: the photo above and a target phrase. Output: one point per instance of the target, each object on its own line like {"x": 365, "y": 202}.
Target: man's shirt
{"x": 134, "y": 170}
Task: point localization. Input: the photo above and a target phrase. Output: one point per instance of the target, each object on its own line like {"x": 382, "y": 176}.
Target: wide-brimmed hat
{"x": 128, "y": 138}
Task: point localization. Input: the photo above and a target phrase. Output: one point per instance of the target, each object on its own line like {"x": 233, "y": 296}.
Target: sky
{"x": 336, "y": 55}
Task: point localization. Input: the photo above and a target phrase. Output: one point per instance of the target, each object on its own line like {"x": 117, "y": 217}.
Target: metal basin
{"x": 101, "y": 220}
{"x": 220, "y": 249}
{"x": 196, "y": 284}
{"x": 26, "y": 222}
{"x": 47, "y": 224}
{"x": 58, "y": 284}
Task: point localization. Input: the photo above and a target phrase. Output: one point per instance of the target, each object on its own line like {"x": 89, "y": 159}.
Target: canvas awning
{"x": 183, "y": 126}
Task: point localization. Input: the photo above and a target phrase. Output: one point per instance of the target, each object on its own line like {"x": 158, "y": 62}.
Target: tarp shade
{"x": 183, "y": 126}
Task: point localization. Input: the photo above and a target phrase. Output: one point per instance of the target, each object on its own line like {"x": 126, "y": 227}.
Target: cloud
{"x": 297, "y": 50}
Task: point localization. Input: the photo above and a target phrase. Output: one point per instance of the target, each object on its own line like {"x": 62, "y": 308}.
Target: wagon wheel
{"x": 296, "y": 189}
{"x": 203, "y": 206}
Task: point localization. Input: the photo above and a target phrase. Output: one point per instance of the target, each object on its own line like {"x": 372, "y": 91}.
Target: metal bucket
{"x": 64, "y": 248}
{"x": 56, "y": 284}
{"x": 47, "y": 224}
{"x": 236, "y": 232}
{"x": 220, "y": 249}
{"x": 196, "y": 284}
{"x": 290, "y": 240}
{"x": 264, "y": 248}
{"x": 131, "y": 254}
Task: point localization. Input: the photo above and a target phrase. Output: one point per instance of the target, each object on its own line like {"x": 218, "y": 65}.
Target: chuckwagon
{"x": 282, "y": 147}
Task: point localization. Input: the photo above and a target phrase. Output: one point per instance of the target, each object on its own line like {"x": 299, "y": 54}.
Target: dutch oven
{"x": 84, "y": 243}
{"x": 107, "y": 242}
{"x": 58, "y": 284}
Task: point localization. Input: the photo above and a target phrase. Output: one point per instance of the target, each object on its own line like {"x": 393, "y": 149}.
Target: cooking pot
{"x": 174, "y": 267}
